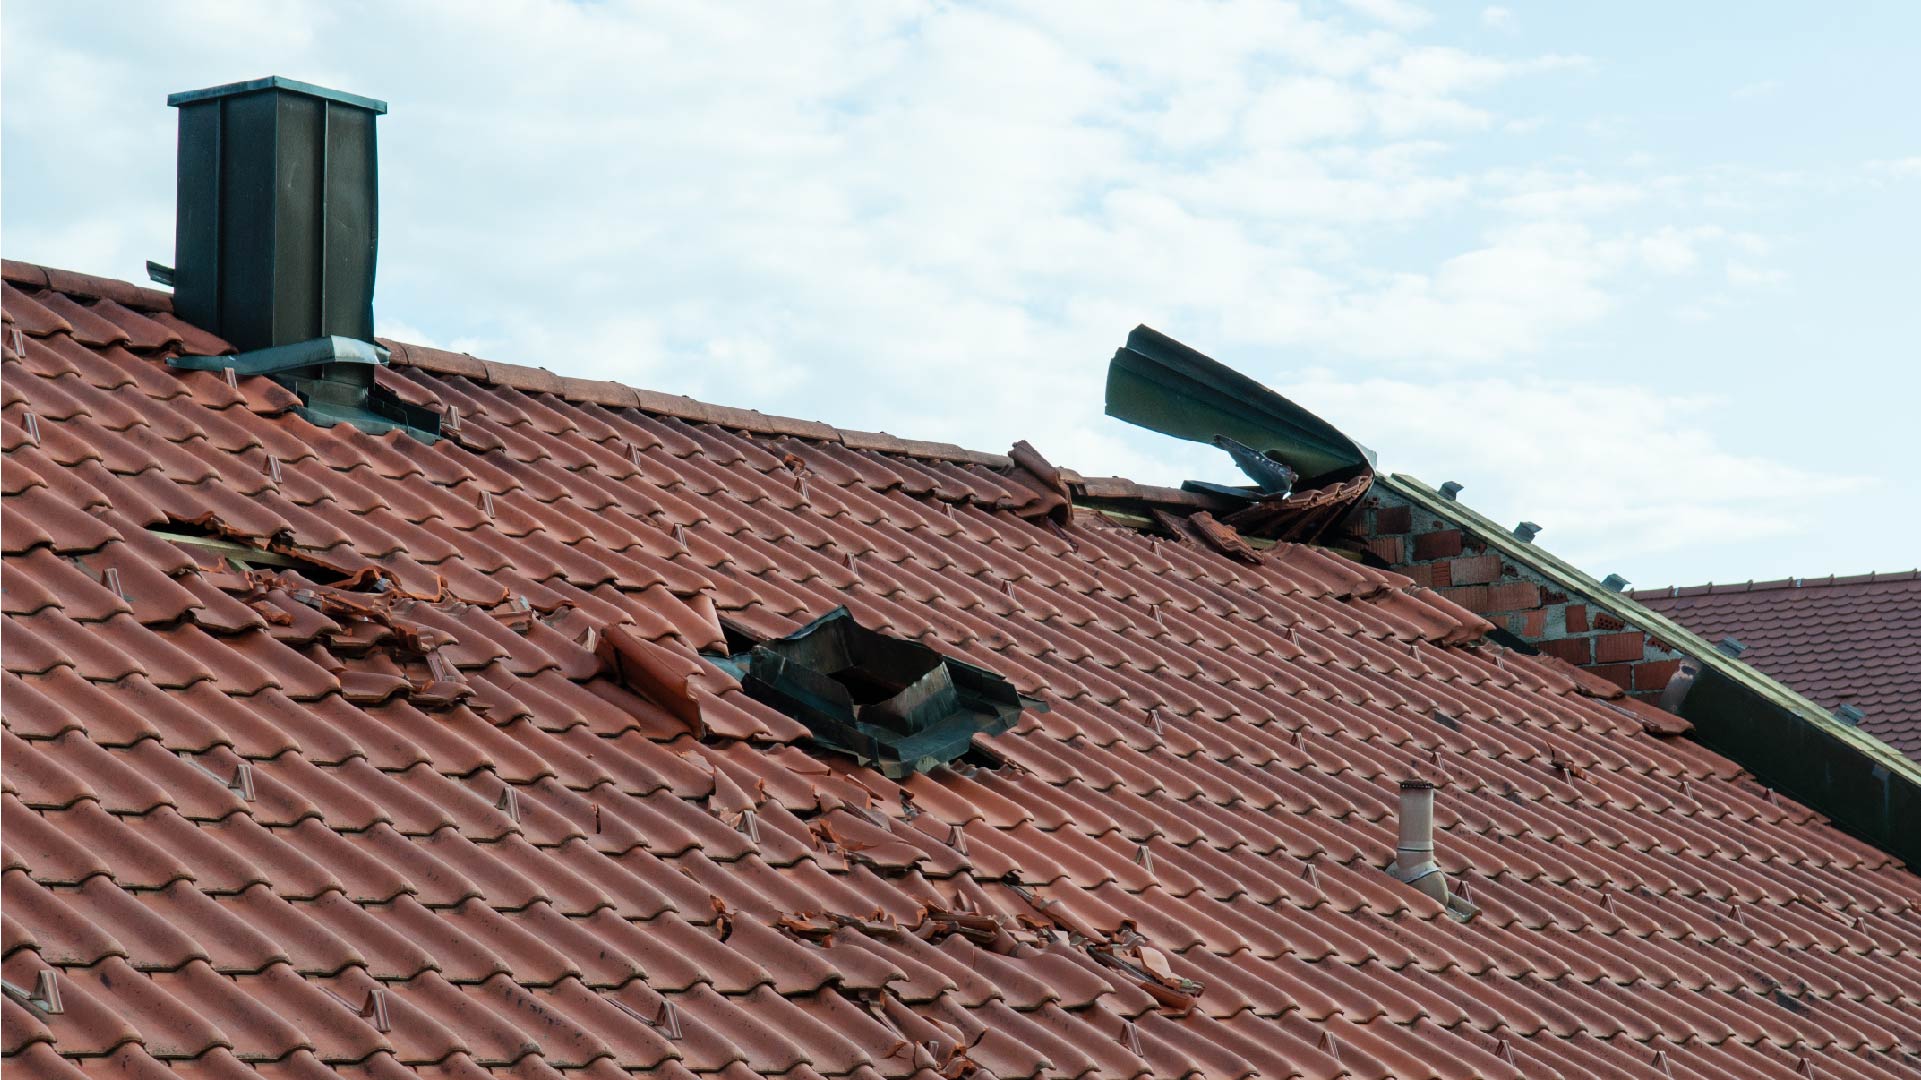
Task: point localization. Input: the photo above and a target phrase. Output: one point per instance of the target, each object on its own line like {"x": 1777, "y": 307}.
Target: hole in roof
{"x": 204, "y": 542}
{"x": 891, "y": 703}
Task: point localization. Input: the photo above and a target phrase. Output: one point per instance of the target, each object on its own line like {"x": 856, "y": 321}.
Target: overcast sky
{"x": 1644, "y": 273}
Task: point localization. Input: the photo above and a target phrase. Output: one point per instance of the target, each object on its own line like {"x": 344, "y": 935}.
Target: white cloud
{"x": 1498, "y": 18}
{"x": 1669, "y": 251}
{"x": 1539, "y": 193}
{"x": 939, "y": 220}
{"x": 1613, "y": 473}
{"x": 1394, "y": 14}
{"x": 1747, "y": 275}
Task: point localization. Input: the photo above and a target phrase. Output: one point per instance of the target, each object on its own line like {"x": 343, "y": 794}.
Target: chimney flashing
{"x": 322, "y": 350}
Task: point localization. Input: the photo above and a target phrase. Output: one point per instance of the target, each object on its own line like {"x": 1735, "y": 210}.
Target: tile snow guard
{"x": 893, "y": 704}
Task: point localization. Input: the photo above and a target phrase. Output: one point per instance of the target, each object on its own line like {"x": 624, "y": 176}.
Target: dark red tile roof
{"x": 409, "y": 821}
{"x": 1838, "y": 640}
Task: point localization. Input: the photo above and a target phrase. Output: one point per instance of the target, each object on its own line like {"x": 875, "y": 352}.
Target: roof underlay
{"x": 404, "y": 759}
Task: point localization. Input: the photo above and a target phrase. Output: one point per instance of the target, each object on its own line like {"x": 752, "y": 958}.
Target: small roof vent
{"x": 1526, "y": 531}
{"x": 1850, "y": 715}
{"x": 1731, "y": 647}
{"x": 892, "y": 703}
{"x": 1615, "y": 583}
{"x": 1451, "y": 490}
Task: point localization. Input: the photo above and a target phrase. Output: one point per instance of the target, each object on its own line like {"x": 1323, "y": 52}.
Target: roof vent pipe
{"x": 1414, "y": 851}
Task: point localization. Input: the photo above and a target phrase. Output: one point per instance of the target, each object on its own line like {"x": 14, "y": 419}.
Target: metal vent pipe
{"x": 1414, "y": 861}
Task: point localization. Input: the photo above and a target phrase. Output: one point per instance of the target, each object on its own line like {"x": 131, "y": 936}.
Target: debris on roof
{"x": 500, "y": 816}
{"x": 1307, "y": 475}
{"x": 893, "y": 704}
{"x": 1636, "y": 641}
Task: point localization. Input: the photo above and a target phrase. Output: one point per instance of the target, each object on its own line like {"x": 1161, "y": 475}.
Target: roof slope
{"x": 1838, "y": 640}
{"x": 409, "y": 820}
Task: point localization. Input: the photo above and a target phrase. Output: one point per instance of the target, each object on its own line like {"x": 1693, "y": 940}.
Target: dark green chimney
{"x": 278, "y": 212}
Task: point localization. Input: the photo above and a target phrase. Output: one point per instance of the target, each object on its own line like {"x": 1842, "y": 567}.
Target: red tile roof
{"x": 1838, "y": 640}
{"x": 409, "y": 821}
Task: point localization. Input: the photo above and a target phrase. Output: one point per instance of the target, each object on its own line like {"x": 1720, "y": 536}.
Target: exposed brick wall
{"x": 1436, "y": 554}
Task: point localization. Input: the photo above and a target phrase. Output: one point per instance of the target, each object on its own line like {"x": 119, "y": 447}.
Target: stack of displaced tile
{"x": 315, "y": 762}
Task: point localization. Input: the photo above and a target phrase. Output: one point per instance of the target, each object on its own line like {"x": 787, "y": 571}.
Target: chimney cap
{"x": 1416, "y": 783}
{"x": 277, "y": 82}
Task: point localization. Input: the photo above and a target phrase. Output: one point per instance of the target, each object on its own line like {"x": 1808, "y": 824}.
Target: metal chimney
{"x": 278, "y": 211}
{"x": 275, "y": 241}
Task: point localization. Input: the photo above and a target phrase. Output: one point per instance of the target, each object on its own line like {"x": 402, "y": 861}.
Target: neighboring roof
{"x": 1655, "y": 621}
{"x": 1838, "y": 640}
{"x": 477, "y": 806}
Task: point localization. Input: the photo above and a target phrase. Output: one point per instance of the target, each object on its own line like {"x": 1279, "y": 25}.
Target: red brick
{"x": 1613, "y": 648}
{"x": 1393, "y": 519}
{"x": 1389, "y": 549}
{"x": 1437, "y": 545}
{"x": 1618, "y": 674}
{"x": 1577, "y": 619}
{"x": 1530, "y": 625}
{"x": 1433, "y": 575}
{"x": 1608, "y": 622}
{"x": 1475, "y": 569}
{"x": 1514, "y": 596}
{"x": 1575, "y": 650}
{"x": 1654, "y": 674}
{"x": 1472, "y": 597}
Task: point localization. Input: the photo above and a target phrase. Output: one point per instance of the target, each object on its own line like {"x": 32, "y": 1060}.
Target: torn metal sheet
{"x": 1162, "y": 385}
{"x": 893, "y": 704}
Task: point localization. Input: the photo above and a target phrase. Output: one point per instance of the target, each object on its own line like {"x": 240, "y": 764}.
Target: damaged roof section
{"x": 1311, "y": 481}
{"x": 572, "y": 846}
{"x": 893, "y": 704}
{"x": 1307, "y": 475}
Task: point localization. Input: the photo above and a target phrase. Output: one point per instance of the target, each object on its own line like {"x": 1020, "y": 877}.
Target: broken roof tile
{"x": 417, "y": 799}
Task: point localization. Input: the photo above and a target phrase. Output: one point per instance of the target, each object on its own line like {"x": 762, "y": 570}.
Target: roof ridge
{"x": 1873, "y": 577}
{"x": 610, "y": 393}
{"x": 540, "y": 380}
{"x": 74, "y": 283}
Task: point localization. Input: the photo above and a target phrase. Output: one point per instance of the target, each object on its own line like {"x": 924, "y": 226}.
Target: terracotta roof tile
{"x": 1838, "y": 640}
{"x": 251, "y": 820}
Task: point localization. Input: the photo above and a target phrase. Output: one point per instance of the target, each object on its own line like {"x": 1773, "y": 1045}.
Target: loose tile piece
{"x": 333, "y": 753}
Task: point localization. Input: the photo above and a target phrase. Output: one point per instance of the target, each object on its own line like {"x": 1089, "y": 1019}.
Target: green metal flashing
{"x": 1162, "y": 385}
{"x": 334, "y": 378}
{"x": 279, "y": 358}
{"x": 1788, "y": 741}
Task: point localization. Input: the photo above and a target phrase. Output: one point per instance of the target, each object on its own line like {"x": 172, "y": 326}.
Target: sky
{"x": 1642, "y": 273}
